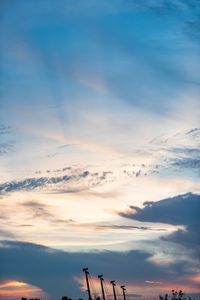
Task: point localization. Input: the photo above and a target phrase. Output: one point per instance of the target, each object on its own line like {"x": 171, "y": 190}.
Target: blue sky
{"x": 99, "y": 123}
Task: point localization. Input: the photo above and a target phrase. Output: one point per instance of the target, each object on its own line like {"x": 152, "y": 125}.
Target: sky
{"x": 99, "y": 147}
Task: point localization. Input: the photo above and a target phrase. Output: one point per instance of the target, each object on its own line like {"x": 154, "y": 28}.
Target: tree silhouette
{"x": 65, "y": 298}
{"x": 176, "y": 295}
{"x": 30, "y": 298}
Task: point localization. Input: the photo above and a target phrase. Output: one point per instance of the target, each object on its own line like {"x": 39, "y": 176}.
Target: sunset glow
{"x": 12, "y": 284}
{"x": 15, "y": 290}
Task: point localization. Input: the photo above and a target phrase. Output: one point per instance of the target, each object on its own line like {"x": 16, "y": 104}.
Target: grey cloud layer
{"x": 53, "y": 270}
{"x": 179, "y": 210}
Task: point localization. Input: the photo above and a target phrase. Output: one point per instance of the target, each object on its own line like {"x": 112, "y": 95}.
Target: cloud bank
{"x": 54, "y": 271}
{"x": 179, "y": 210}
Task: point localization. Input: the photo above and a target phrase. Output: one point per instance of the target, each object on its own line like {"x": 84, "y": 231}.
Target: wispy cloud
{"x": 43, "y": 211}
{"x": 4, "y": 129}
{"x": 6, "y": 148}
{"x": 167, "y": 152}
{"x": 37, "y": 209}
{"x": 180, "y": 150}
{"x": 124, "y": 227}
{"x": 70, "y": 183}
{"x": 188, "y": 163}
{"x": 6, "y": 145}
{"x": 5, "y": 234}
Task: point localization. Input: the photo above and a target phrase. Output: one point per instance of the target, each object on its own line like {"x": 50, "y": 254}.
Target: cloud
{"x": 192, "y": 27}
{"x": 56, "y": 67}
{"x": 189, "y": 238}
{"x": 94, "y": 6}
{"x": 6, "y": 146}
{"x": 169, "y": 152}
{"x": 68, "y": 183}
{"x": 3, "y": 216}
{"x": 178, "y": 151}
{"x": 163, "y": 6}
{"x": 185, "y": 150}
{"x": 40, "y": 210}
{"x": 54, "y": 271}
{"x": 125, "y": 227}
{"x": 188, "y": 163}
{"x": 186, "y": 139}
{"x": 4, "y": 129}
{"x": 179, "y": 210}
{"x": 6, "y": 234}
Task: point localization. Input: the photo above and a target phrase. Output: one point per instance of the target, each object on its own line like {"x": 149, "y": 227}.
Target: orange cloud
{"x": 12, "y": 284}
{"x": 11, "y": 289}
{"x": 153, "y": 282}
{"x": 195, "y": 278}
{"x": 21, "y": 292}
